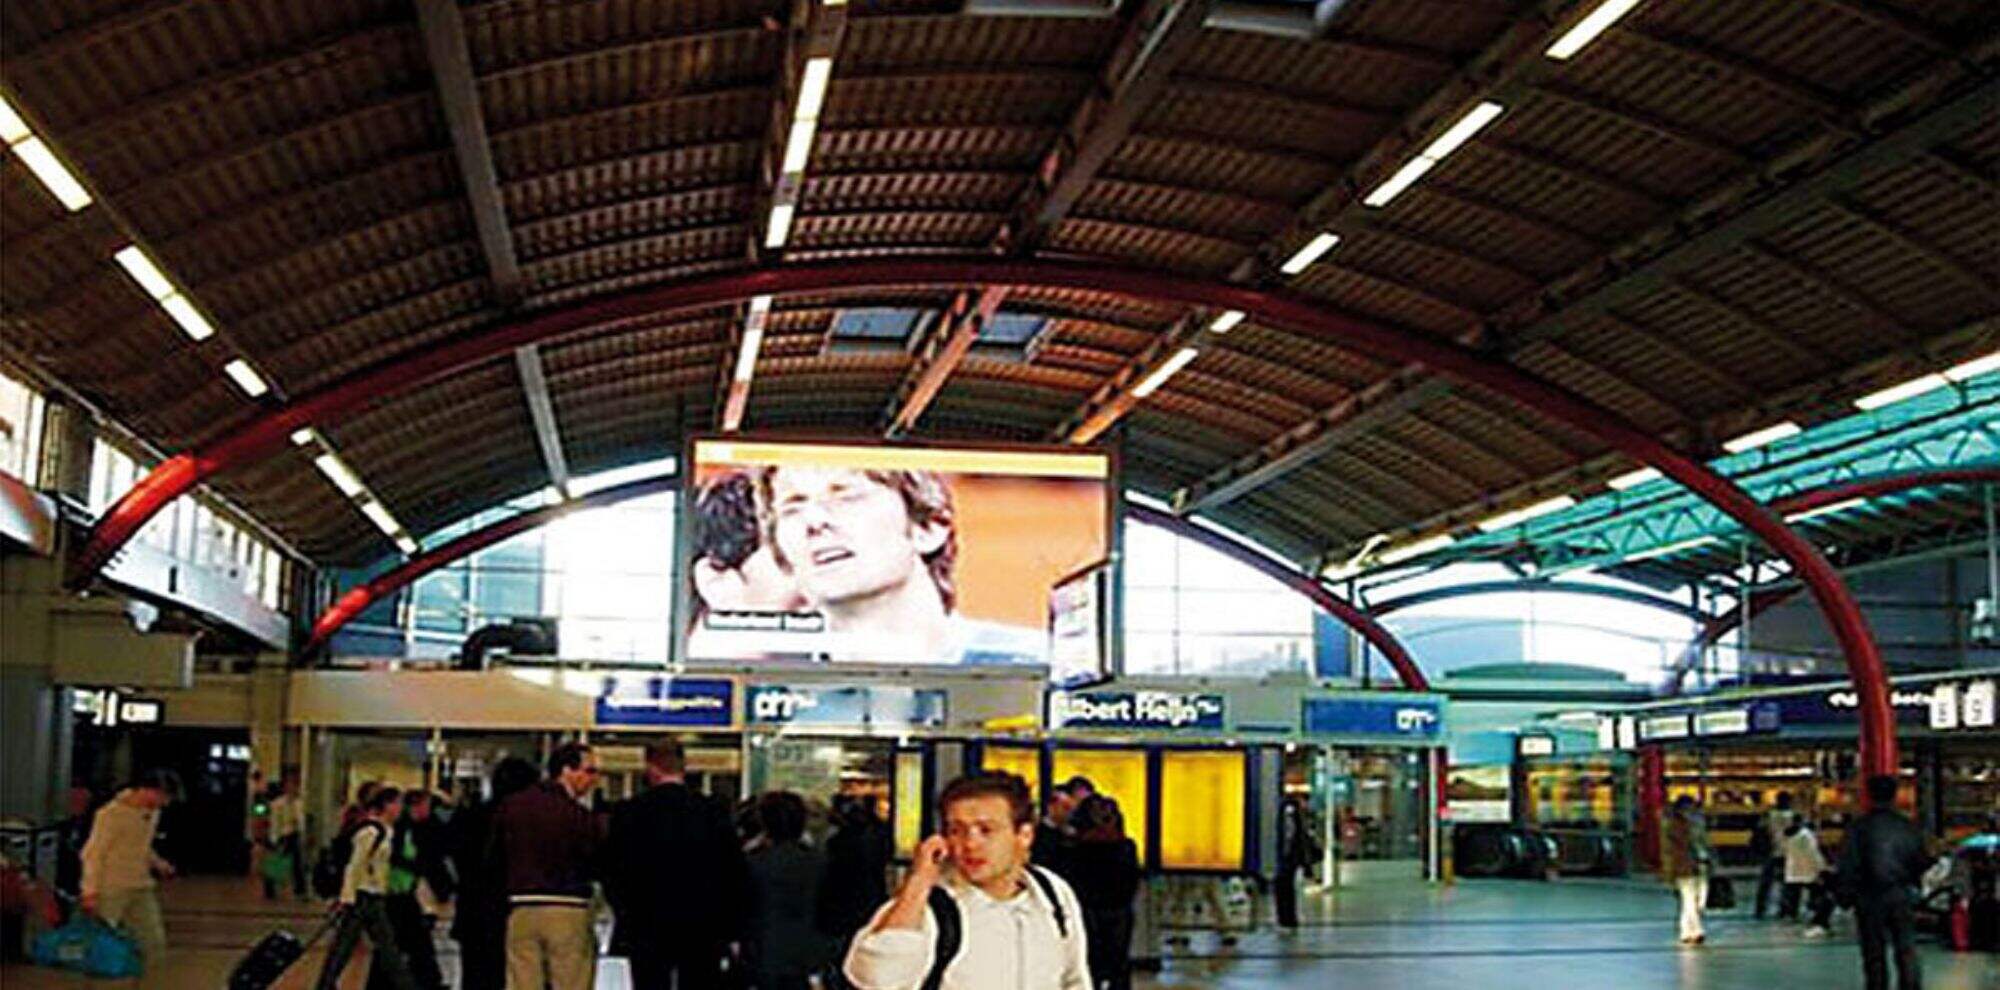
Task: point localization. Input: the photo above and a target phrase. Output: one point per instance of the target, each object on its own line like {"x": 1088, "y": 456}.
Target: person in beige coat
{"x": 121, "y": 873}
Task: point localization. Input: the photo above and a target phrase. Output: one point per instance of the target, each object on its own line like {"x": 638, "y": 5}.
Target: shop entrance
{"x": 1366, "y": 808}
{"x": 822, "y": 768}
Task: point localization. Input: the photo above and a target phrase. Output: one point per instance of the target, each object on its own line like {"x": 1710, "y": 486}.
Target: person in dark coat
{"x": 783, "y": 939}
{"x": 857, "y": 870}
{"x": 1296, "y": 851}
{"x": 676, "y": 879}
{"x": 479, "y": 922}
{"x": 1882, "y": 857}
{"x": 1104, "y": 869}
{"x": 1053, "y": 836}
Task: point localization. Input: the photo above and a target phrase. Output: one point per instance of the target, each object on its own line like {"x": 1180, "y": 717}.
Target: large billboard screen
{"x": 875, "y": 553}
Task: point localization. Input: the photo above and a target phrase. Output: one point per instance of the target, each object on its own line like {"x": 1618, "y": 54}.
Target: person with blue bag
{"x": 121, "y": 873}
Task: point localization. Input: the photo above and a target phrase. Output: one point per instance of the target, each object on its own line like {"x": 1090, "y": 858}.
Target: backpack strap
{"x": 950, "y": 936}
{"x": 1055, "y": 903}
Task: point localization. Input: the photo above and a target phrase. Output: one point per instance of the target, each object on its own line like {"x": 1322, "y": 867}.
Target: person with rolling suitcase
{"x": 271, "y": 958}
{"x": 361, "y": 909}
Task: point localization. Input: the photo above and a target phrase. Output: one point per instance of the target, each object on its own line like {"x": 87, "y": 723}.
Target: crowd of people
{"x": 703, "y": 898}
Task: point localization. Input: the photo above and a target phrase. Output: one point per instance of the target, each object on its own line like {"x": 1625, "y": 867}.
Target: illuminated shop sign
{"x": 689, "y": 702}
{"x": 844, "y": 705}
{"x": 1134, "y": 710}
{"x": 1727, "y": 722}
{"x": 1408, "y": 718}
{"x": 1656, "y": 727}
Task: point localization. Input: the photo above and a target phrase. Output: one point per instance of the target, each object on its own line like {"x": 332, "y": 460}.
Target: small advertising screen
{"x": 861, "y": 553}
{"x": 1079, "y": 627}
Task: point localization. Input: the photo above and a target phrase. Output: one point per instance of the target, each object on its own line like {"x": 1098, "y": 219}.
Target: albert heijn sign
{"x": 1135, "y": 710}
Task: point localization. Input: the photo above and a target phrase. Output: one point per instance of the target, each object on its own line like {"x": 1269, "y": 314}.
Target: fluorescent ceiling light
{"x": 338, "y": 473}
{"x": 246, "y": 378}
{"x": 302, "y": 436}
{"x": 760, "y": 305}
{"x": 1587, "y": 30}
{"x": 1973, "y": 368}
{"x": 1165, "y": 371}
{"x": 380, "y": 517}
{"x": 1310, "y": 253}
{"x": 13, "y": 130}
{"x": 812, "y": 88}
{"x": 780, "y": 227}
{"x": 1758, "y": 438}
{"x": 1404, "y": 177}
{"x": 1699, "y": 541}
{"x": 1506, "y": 520}
{"x": 143, "y": 271}
{"x": 1897, "y": 393}
{"x": 1417, "y": 549}
{"x": 1225, "y": 321}
{"x": 407, "y": 545}
{"x": 195, "y": 325}
{"x": 798, "y": 146}
{"x": 746, "y": 355}
{"x": 1474, "y": 121}
{"x": 61, "y": 184}
{"x": 1633, "y": 479}
{"x": 1826, "y": 510}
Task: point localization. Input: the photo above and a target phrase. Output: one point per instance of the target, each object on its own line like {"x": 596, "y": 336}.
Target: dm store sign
{"x": 1134, "y": 710}
{"x": 1401, "y": 718}
{"x": 887, "y": 707}
{"x": 674, "y": 701}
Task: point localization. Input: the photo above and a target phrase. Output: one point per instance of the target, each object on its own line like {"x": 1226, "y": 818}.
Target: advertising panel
{"x": 683, "y": 702}
{"x": 1202, "y": 799}
{"x": 884, "y": 554}
{"x": 1135, "y": 710}
{"x": 1080, "y": 627}
{"x": 844, "y": 705}
{"x": 1407, "y": 718}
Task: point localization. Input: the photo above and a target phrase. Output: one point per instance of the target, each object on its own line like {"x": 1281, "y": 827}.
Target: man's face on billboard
{"x": 845, "y": 535}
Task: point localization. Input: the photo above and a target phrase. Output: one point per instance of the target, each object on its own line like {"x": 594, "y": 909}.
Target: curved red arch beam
{"x": 267, "y": 433}
{"x": 1722, "y": 624}
{"x": 361, "y": 597}
{"x": 1334, "y": 605}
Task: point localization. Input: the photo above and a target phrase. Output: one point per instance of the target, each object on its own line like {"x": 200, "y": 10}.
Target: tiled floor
{"x": 1490, "y": 935}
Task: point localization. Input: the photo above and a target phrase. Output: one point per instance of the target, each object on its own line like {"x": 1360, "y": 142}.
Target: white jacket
{"x": 368, "y": 866}
{"x": 1803, "y": 861}
{"x": 1008, "y": 945}
{"x": 118, "y": 856}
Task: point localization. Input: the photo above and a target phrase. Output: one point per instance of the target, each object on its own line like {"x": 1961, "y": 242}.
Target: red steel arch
{"x": 267, "y": 433}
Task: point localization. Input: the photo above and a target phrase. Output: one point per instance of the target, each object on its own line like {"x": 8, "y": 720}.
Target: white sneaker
{"x": 1816, "y": 932}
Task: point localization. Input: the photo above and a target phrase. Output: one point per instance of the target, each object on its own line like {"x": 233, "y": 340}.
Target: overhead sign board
{"x": 1135, "y": 710}
{"x": 1725, "y": 722}
{"x": 1402, "y": 718}
{"x": 682, "y": 702}
{"x": 844, "y": 705}
{"x": 1656, "y": 727}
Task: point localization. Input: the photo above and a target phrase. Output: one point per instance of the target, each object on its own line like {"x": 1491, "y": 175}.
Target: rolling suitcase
{"x": 270, "y": 958}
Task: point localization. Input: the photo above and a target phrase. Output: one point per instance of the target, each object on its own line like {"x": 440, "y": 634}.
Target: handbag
{"x": 88, "y": 946}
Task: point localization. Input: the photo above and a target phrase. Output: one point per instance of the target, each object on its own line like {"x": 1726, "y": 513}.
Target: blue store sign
{"x": 848, "y": 705}
{"x": 1134, "y": 710}
{"x": 1405, "y": 718}
{"x": 702, "y": 702}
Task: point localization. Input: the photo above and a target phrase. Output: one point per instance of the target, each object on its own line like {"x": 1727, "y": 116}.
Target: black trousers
{"x": 1771, "y": 875}
{"x": 366, "y": 916}
{"x": 1286, "y": 892}
{"x": 677, "y": 967}
{"x": 482, "y": 962}
{"x": 1887, "y": 924}
{"x": 1109, "y": 936}
{"x": 413, "y": 937}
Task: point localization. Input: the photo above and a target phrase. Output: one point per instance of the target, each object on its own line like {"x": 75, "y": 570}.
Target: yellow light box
{"x": 909, "y": 798}
{"x": 1119, "y": 774}
{"x": 1202, "y": 809}
{"x": 1024, "y": 762}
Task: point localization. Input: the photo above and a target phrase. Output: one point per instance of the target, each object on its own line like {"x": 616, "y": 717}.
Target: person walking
{"x": 1684, "y": 860}
{"x": 416, "y": 856}
{"x": 547, "y": 841}
{"x": 1104, "y": 869}
{"x": 359, "y": 910}
{"x": 857, "y": 870}
{"x": 1805, "y": 865}
{"x": 1882, "y": 857}
{"x": 479, "y": 919}
{"x": 287, "y": 814}
{"x": 1767, "y": 843}
{"x": 783, "y": 940}
{"x": 677, "y": 880}
{"x": 121, "y": 873}
{"x": 1017, "y": 926}
{"x": 1296, "y": 851}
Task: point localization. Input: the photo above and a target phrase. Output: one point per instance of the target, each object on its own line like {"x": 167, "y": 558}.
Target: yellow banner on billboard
{"x": 1029, "y": 463}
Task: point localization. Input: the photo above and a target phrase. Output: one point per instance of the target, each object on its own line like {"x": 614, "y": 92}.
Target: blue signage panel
{"x": 672, "y": 701}
{"x": 1134, "y": 710}
{"x": 1404, "y": 718}
{"x": 845, "y": 705}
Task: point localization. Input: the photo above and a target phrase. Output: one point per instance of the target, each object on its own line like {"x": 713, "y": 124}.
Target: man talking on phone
{"x": 973, "y": 914}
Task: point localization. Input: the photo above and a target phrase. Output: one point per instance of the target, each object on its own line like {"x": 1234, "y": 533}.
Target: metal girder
{"x": 1611, "y": 591}
{"x": 1936, "y": 256}
{"x": 359, "y": 599}
{"x": 1112, "y": 400}
{"x": 1647, "y": 121}
{"x": 1820, "y": 280}
{"x": 258, "y": 439}
{"x": 1789, "y": 88}
{"x": 1893, "y": 21}
{"x": 535, "y": 388}
{"x": 451, "y": 66}
{"x": 1305, "y": 584}
{"x": 942, "y": 350}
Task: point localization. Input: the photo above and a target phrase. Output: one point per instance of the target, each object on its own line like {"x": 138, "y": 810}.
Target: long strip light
{"x": 1167, "y": 370}
{"x": 337, "y": 471}
{"x": 1417, "y": 549}
{"x": 35, "y": 154}
{"x": 1225, "y": 321}
{"x": 1633, "y": 479}
{"x": 350, "y": 485}
{"x": 753, "y": 337}
{"x": 1305, "y": 256}
{"x": 1470, "y": 123}
{"x": 813, "y": 82}
{"x": 1587, "y": 30}
{"x": 1758, "y": 438}
{"x": 1699, "y": 541}
{"x": 1897, "y": 393}
{"x": 246, "y": 378}
{"x": 1852, "y": 503}
{"x": 1508, "y": 520}
{"x": 144, "y": 271}
{"x": 1973, "y": 368}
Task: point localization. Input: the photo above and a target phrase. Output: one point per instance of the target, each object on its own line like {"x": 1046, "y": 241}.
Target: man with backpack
{"x": 973, "y": 914}
{"x": 362, "y": 909}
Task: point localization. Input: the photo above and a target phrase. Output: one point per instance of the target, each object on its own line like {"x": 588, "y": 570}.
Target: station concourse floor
{"x": 1474, "y": 935}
